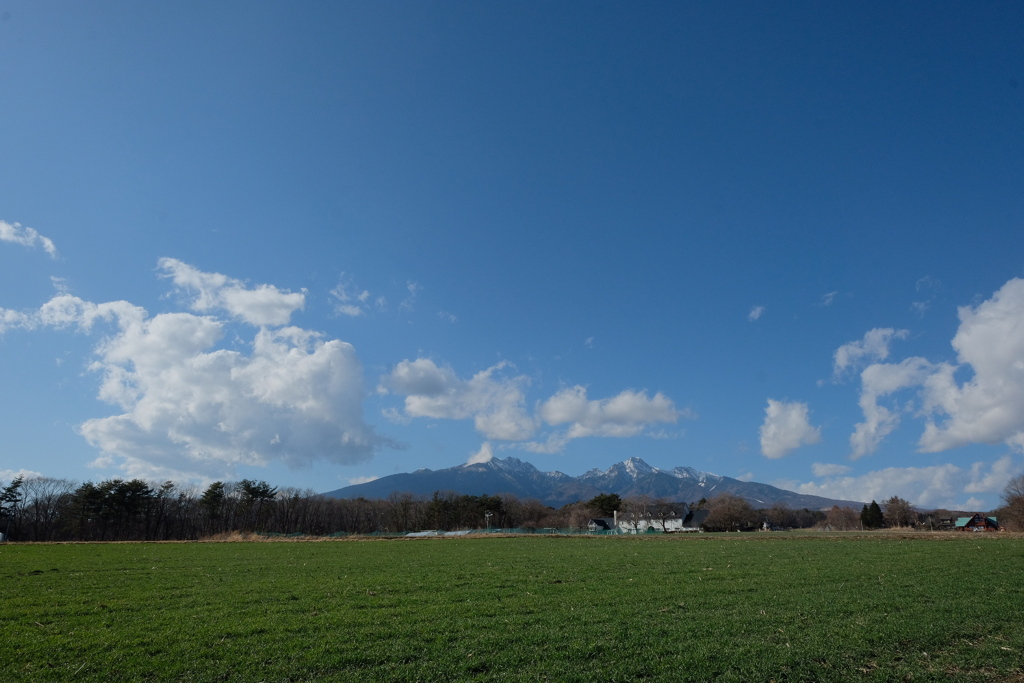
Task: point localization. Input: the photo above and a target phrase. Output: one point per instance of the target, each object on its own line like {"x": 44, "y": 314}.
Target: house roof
{"x": 964, "y": 521}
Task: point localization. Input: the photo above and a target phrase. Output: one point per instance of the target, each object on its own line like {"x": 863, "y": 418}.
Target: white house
{"x": 669, "y": 522}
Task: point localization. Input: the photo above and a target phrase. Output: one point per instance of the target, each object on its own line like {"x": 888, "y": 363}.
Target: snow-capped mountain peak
{"x": 690, "y": 473}
{"x": 512, "y": 465}
{"x": 637, "y": 467}
{"x": 631, "y": 469}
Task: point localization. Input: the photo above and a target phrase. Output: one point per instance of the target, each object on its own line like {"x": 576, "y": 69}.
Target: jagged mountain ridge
{"x": 632, "y": 477}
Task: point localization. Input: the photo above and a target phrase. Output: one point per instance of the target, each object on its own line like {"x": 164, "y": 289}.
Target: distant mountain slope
{"x": 633, "y": 477}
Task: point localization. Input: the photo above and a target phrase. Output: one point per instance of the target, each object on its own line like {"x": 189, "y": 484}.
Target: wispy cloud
{"x": 14, "y": 319}
{"x": 409, "y": 303}
{"x": 928, "y": 284}
{"x": 821, "y": 469}
{"x": 755, "y": 313}
{"x": 931, "y": 288}
{"x": 348, "y": 299}
{"x": 260, "y": 305}
{"x": 26, "y": 237}
{"x": 874, "y": 346}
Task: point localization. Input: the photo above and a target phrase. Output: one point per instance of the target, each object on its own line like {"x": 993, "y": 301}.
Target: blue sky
{"x": 320, "y": 242}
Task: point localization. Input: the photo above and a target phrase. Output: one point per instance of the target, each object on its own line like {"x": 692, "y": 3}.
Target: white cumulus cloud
{"x": 26, "y": 237}
{"x": 189, "y": 408}
{"x": 65, "y": 310}
{"x": 995, "y": 478}
{"x": 989, "y": 407}
{"x": 494, "y": 401}
{"x": 626, "y": 414}
{"x": 8, "y": 475}
{"x": 786, "y": 427}
{"x": 985, "y": 408}
{"x": 877, "y": 381}
{"x": 945, "y": 486}
{"x": 295, "y": 398}
{"x": 755, "y": 313}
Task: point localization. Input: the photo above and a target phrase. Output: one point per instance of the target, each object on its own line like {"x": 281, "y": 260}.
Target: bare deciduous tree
{"x": 779, "y": 515}
{"x": 898, "y": 512}
{"x": 729, "y": 513}
{"x": 637, "y": 512}
{"x": 1013, "y": 496}
{"x": 664, "y": 510}
{"x": 45, "y": 500}
{"x": 534, "y": 514}
{"x": 842, "y": 519}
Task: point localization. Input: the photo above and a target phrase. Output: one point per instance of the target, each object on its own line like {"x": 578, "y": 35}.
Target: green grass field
{"x": 715, "y": 607}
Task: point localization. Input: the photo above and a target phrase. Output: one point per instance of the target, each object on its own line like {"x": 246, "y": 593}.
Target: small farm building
{"x": 978, "y": 522}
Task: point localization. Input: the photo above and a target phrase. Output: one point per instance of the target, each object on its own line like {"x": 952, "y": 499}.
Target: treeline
{"x": 50, "y": 509}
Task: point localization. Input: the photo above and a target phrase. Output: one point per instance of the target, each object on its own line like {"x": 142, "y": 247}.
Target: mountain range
{"x": 632, "y": 477}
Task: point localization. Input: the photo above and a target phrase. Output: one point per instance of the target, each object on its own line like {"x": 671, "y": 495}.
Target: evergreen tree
{"x": 257, "y": 496}
{"x": 10, "y": 496}
{"x": 212, "y": 502}
{"x": 871, "y": 516}
{"x": 606, "y": 503}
